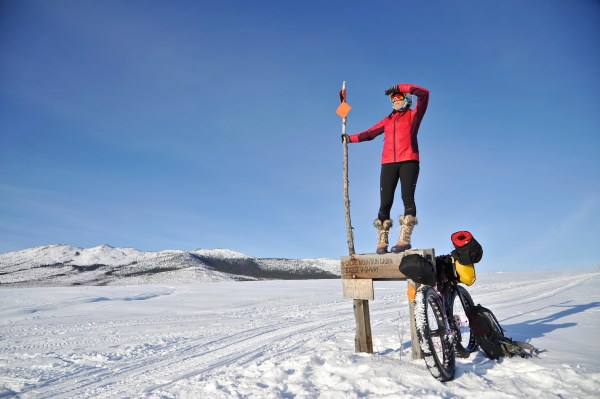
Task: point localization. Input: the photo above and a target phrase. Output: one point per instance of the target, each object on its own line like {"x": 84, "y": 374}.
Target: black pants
{"x": 407, "y": 173}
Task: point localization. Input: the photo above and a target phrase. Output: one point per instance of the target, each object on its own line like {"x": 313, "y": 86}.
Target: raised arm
{"x": 422, "y": 97}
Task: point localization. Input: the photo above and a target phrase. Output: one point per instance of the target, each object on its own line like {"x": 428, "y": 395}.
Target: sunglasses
{"x": 397, "y": 97}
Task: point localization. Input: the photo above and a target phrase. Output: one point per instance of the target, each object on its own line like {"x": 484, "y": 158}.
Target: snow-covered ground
{"x": 285, "y": 339}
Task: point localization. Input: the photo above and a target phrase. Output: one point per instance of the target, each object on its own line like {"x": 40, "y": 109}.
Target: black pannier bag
{"x": 466, "y": 248}
{"x": 490, "y": 337}
{"x": 418, "y": 269}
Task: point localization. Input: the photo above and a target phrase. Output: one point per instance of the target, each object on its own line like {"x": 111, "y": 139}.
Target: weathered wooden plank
{"x": 358, "y": 289}
{"x": 417, "y": 353}
{"x": 363, "y": 340}
{"x": 379, "y": 267}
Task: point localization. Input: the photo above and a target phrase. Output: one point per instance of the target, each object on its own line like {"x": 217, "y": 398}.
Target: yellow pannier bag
{"x": 466, "y": 273}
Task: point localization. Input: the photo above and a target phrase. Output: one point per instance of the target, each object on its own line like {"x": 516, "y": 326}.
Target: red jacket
{"x": 400, "y": 128}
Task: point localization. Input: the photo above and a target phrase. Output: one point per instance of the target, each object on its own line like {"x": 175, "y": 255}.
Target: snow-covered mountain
{"x": 66, "y": 265}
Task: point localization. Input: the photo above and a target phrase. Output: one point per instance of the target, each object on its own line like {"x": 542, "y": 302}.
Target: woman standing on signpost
{"x": 399, "y": 161}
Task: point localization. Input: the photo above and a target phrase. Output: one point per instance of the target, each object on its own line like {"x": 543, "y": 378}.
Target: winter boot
{"x": 408, "y": 223}
{"x": 383, "y": 233}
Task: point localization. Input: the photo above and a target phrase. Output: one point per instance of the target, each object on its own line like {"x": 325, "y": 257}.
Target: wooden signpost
{"x": 358, "y": 273}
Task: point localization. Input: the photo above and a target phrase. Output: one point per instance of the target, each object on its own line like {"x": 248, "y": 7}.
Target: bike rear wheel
{"x": 461, "y": 301}
{"x": 434, "y": 336}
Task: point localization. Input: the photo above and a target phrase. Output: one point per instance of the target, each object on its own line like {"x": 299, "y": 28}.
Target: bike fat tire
{"x": 435, "y": 340}
{"x": 465, "y": 343}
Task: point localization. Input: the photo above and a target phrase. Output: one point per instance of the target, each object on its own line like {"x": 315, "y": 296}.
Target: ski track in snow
{"x": 173, "y": 358}
{"x": 277, "y": 340}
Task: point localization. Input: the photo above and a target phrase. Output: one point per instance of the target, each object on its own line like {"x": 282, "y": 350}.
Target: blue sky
{"x": 196, "y": 124}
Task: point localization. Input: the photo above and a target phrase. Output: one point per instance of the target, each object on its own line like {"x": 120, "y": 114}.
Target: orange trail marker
{"x": 343, "y": 109}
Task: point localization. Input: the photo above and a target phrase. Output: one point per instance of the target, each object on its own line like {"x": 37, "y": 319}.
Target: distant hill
{"x": 66, "y": 265}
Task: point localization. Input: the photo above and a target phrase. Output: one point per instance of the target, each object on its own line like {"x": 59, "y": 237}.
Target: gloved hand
{"x": 392, "y": 90}
{"x": 345, "y": 137}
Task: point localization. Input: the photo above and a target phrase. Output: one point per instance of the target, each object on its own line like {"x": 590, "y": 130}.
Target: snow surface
{"x": 285, "y": 339}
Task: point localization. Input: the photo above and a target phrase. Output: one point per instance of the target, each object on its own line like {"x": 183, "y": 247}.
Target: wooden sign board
{"x": 379, "y": 267}
{"x": 358, "y": 289}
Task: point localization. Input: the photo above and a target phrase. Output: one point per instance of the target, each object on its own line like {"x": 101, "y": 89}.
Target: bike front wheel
{"x": 434, "y": 336}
